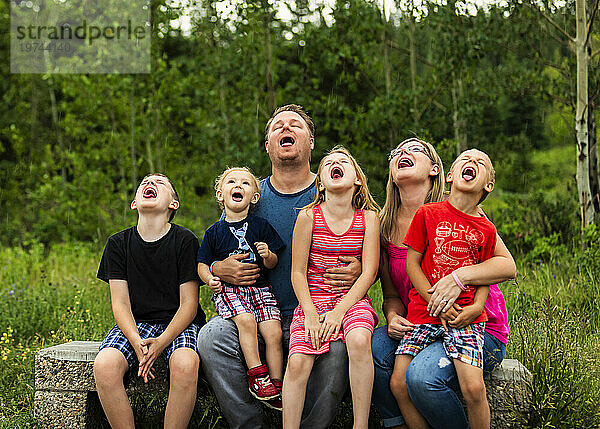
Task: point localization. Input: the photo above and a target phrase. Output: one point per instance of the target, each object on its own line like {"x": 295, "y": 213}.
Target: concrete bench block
{"x": 66, "y": 395}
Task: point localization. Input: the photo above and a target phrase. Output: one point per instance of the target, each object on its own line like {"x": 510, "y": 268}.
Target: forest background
{"x": 501, "y": 78}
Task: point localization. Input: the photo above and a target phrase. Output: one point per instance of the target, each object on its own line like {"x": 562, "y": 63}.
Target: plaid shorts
{"x": 117, "y": 340}
{"x": 464, "y": 344}
{"x": 258, "y": 301}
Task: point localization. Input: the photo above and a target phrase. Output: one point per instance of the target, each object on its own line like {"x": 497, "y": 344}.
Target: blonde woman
{"x": 416, "y": 177}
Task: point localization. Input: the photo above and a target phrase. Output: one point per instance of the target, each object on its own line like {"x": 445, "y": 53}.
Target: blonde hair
{"x": 362, "y": 198}
{"x": 221, "y": 178}
{"x": 491, "y": 174}
{"x": 393, "y": 201}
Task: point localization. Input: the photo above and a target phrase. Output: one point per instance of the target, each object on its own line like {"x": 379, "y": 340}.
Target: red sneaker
{"x": 275, "y": 403}
{"x": 260, "y": 384}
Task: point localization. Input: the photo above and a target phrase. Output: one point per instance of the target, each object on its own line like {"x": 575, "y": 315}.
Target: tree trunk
{"x": 413, "y": 62}
{"x": 388, "y": 79}
{"x": 460, "y": 132}
{"x": 582, "y": 119}
{"x": 268, "y": 55}
{"x": 132, "y": 143}
{"x": 593, "y": 142}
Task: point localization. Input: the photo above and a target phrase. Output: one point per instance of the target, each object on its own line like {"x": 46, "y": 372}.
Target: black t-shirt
{"x": 153, "y": 270}
{"x": 224, "y": 238}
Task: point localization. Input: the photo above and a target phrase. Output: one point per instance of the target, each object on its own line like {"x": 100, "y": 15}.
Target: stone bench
{"x": 65, "y": 391}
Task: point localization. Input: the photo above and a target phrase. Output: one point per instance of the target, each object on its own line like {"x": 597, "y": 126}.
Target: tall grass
{"x": 50, "y": 296}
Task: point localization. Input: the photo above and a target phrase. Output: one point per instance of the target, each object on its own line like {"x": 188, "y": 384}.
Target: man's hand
{"x": 331, "y": 323}
{"x": 154, "y": 349}
{"x": 466, "y": 316}
{"x": 343, "y": 277}
{"x": 232, "y": 270}
{"x": 312, "y": 327}
{"x": 398, "y": 326}
{"x": 445, "y": 292}
{"x": 215, "y": 284}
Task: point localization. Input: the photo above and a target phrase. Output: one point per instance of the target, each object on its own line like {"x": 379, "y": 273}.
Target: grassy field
{"x": 50, "y": 296}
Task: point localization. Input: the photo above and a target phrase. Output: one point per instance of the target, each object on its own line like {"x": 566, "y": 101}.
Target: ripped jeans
{"x": 431, "y": 380}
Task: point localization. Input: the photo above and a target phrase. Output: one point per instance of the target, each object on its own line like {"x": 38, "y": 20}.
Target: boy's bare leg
{"x": 110, "y": 366}
{"x": 412, "y": 416}
{"x": 296, "y": 376}
{"x": 361, "y": 372}
{"x": 472, "y": 387}
{"x": 183, "y": 369}
{"x": 271, "y": 333}
{"x": 246, "y": 324}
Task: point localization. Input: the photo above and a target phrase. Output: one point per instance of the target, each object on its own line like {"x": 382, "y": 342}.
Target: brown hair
{"x": 393, "y": 202}
{"x": 174, "y": 193}
{"x": 362, "y": 198}
{"x": 221, "y": 178}
{"x": 291, "y": 108}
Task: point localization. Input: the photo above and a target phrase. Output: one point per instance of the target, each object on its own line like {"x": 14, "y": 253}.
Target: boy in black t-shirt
{"x": 250, "y": 307}
{"x": 153, "y": 282}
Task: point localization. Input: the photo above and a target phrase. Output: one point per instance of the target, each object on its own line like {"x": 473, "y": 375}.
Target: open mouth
{"x": 337, "y": 173}
{"x": 405, "y": 162}
{"x": 149, "y": 192}
{"x": 286, "y": 141}
{"x": 469, "y": 174}
{"x": 237, "y": 197}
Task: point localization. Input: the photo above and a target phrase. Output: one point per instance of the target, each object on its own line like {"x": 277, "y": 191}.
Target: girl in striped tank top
{"x": 341, "y": 221}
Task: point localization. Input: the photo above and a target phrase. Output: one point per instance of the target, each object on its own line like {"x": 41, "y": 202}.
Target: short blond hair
{"x": 221, "y": 179}
{"x": 491, "y": 174}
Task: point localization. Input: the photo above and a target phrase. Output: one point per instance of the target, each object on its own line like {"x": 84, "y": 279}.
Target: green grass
{"x": 50, "y": 296}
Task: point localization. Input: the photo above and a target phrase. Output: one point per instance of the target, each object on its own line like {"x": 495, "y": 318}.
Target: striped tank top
{"x": 327, "y": 247}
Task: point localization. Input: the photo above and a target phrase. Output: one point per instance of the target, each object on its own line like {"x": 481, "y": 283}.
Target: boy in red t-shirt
{"x": 443, "y": 237}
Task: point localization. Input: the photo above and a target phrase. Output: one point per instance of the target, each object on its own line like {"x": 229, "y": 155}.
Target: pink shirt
{"x": 497, "y": 323}
{"x": 397, "y": 269}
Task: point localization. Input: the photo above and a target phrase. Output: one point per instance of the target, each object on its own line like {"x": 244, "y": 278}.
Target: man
{"x": 289, "y": 140}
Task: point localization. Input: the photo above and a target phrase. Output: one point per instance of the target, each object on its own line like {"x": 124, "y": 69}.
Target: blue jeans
{"x": 430, "y": 386}
{"x": 224, "y": 368}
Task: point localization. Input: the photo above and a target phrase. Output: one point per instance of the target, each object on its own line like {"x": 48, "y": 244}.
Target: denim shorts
{"x": 117, "y": 340}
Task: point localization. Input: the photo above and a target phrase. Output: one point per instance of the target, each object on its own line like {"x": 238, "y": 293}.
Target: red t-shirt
{"x": 448, "y": 239}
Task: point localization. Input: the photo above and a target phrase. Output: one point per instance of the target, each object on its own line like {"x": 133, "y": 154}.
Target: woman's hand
{"x": 445, "y": 292}
{"x": 312, "y": 326}
{"x": 398, "y": 326}
{"x": 466, "y": 316}
{"x": 331, "y": 324}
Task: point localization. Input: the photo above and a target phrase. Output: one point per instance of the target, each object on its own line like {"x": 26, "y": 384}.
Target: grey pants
{"x": 224, "y": 368}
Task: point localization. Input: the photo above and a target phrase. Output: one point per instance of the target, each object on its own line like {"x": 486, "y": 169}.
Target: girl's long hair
{"x": 393, "y": 202}
{"x": 362, "y": 198}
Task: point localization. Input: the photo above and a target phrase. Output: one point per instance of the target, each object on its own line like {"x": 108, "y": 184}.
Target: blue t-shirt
{"x": 224, "y": 238}
{"x": 281, "y": 210}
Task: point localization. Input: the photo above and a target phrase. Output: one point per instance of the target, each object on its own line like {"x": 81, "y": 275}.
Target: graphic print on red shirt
{"x": 448, "y": 239}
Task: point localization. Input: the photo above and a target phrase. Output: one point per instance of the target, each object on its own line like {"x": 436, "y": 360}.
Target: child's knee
{"x": 398, "y": 385}
{"x": 359, "y": 343}
{"x": 245, "y": 322}
{"x": 184, "y": 364}
{"x": 273, "y": 337}
{"x": 298, "y": 367}
{"x": 109, "y": 367}
{"x": 473, "y": 391}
